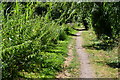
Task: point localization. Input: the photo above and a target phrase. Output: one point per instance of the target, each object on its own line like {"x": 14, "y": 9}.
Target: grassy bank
{"x": 105, "y": 62}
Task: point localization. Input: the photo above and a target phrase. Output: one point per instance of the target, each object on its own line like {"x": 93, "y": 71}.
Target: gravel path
{"x": 86, "y": 70}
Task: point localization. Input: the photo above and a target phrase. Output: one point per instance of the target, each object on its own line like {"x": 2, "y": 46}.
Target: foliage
{"x": 31, "y": 29}
{"x": 103, "y": 17}
{"x": 104, "y": 61}
{"x": 26, "y": 40}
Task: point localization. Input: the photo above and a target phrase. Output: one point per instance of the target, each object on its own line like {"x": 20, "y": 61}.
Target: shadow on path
{"x": 79, "y": 29}
{"x": 76, "y": 30}
{"x": 73, "y": 34}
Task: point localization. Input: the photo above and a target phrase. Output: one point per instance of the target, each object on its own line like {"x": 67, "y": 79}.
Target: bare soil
{"x": 86, "y": 70}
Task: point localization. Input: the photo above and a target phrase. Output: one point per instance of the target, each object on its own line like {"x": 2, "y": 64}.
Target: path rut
{"x": 86, "y": 70}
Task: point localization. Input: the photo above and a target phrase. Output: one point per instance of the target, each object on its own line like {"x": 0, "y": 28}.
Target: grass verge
{"x": 71, "y": 64}
{"x": 74, "y": 66}
{"x": 105, "y": 62}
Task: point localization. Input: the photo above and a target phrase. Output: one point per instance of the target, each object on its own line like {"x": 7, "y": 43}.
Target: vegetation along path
{"x": 86, "y": 70}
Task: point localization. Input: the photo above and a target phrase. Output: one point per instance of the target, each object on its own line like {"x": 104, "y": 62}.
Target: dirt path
{"x": 86, "y": 70}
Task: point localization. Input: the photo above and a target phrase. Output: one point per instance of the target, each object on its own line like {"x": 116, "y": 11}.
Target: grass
{"x": 74, "y": 67}
{"x": 103, "y": 61}
{"x": 72, "y": 64}
{"x": 60, "y": 49}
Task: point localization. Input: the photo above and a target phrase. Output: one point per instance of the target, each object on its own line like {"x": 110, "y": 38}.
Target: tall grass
{"x": 26, "y": 43}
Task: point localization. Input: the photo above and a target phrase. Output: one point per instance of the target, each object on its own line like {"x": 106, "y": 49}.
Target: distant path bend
{"x": 86, "y": 70}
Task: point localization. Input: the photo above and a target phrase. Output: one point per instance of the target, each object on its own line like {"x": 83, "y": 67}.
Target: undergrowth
{"x": 32, "y": 46}
{"x": 105, "y": 61}
{"x": 52, "y": 61}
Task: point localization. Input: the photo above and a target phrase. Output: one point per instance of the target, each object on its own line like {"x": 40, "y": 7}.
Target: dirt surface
{"x": 86, "y": 70}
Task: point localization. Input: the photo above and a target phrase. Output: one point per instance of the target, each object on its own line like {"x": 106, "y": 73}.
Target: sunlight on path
{"x": 86, "y": 70}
